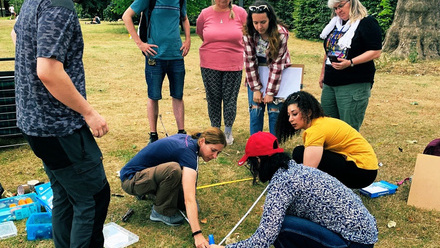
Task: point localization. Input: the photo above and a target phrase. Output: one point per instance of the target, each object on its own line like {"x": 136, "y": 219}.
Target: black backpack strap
{"x": 181, "y": 2}
{"x": 144, "y": 22}
{"x": 150, "y": 10}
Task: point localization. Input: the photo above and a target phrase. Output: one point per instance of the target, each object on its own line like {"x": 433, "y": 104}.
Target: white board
{"x": 291, "y": 80}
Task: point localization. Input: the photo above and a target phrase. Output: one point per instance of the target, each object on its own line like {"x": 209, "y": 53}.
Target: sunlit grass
{"x": 116, "y": 88}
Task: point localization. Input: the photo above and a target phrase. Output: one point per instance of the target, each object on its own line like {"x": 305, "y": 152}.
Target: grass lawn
{"x": 401, "y": 119}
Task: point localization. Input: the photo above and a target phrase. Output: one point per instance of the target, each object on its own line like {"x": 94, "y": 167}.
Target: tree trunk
{"x": 415, "y": 30}
{"x": 2, "y": 10}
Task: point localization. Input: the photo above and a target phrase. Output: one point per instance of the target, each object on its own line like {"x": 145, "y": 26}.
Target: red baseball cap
{"x": 260, "y": 144}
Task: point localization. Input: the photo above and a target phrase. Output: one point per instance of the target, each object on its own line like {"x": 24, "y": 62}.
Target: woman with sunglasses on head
{"x": 265, "y": 40}
{"x": 220, "y": 27}
{"x": 352, "y": 40}
{"x": 330, "y": 144}
{"x": 304, "y": 207}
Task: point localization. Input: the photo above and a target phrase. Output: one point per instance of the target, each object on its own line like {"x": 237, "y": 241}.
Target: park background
{"x": 401, "y": 119}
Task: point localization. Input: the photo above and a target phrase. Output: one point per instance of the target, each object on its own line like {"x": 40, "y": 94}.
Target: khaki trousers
{"x": 164, "y": 181}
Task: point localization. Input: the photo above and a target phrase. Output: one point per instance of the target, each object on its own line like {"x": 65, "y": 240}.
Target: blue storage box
{"x": 19, "y": 207}
{"x": 39, "y": 226}
{"x": 377, "y": 189}
{"x": 45, "y": 196}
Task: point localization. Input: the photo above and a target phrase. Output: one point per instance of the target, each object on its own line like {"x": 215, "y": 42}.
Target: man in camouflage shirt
{"x": 58, "y": 122}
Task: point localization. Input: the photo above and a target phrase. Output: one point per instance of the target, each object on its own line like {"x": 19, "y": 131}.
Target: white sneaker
{"x": 229, "y": 138}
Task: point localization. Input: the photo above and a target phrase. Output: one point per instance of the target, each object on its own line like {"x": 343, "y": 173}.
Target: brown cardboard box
{"x": 425, "y": 186}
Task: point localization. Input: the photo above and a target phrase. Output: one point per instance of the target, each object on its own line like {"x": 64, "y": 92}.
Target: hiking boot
{"x": 174, "y": 220}
{"x": 153, "y": 137}
{"x": 229, "y": 138}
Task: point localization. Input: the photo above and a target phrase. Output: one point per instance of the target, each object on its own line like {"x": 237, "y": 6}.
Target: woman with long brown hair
{"x": 265, "y": 39}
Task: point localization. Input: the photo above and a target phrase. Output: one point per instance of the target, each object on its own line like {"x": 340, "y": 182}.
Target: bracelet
{"x": 196, "y": 232}
{"x": 351, "y": 61}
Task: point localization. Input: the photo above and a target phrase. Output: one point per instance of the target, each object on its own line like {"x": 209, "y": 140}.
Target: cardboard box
{"x": 425, "y": 186}
{"x": 39, "y": 226}
{"x": 18, "y": 207}
{"x": 377, "y": 189}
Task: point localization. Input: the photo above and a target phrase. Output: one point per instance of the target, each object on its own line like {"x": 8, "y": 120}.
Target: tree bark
{"x": 2, "y": 11}
{"x": 415, "y": 30}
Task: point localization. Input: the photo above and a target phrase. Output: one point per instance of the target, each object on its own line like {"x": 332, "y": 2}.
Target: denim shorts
{"x": 155, "y": 74}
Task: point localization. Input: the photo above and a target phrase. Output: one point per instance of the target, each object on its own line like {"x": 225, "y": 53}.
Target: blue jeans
{"x": 155, "y": 74}
{"x": 256, "y": 112}
{"x": 298, "y": 233}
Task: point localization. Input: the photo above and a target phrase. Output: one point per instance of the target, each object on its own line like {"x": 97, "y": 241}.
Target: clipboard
{"x": 291, "y": 79}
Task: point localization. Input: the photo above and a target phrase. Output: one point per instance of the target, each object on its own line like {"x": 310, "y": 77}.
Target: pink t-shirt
{"x": 222, "y": 47}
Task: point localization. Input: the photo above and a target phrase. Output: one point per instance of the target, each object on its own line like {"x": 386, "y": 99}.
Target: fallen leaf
{"x": 391, "y": 224}
{"x": 204, "y": 221}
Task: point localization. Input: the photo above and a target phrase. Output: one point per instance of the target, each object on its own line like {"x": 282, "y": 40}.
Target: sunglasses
{"x": 293, "y": 98}
{"x": 340, "y": 6}
{"x": 260, "y": 8}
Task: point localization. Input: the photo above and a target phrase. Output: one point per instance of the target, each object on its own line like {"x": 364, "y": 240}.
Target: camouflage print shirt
{"x": 47, "y": 29}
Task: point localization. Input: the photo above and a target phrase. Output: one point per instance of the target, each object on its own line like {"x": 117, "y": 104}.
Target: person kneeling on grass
{"x": 168, "y": 169}
{"x": 330, "y": 144}
{"x": 304, "y": 207}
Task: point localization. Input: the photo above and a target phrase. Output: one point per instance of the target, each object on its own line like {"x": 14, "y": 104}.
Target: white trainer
{"x": 229, "y": 138}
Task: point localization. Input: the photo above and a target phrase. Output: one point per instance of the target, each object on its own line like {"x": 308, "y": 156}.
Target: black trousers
{"x": 81, "y": 193}
{"x": 335, "y": 165}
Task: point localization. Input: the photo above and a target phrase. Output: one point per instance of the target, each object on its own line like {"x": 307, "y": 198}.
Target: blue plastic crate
{"x": 45, "y": 196}
{"x": 9, "y": 212}
{"x": 39, "y": 226}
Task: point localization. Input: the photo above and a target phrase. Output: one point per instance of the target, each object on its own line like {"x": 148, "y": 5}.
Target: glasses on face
{"x": 340, "y": 6}
{"x": 260, "y": 8}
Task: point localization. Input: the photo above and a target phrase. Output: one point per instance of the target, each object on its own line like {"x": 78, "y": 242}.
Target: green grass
{"x": 116, "y": 88}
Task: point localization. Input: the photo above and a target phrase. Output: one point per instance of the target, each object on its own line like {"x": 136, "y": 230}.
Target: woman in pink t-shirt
{"x": 221, "y": 60}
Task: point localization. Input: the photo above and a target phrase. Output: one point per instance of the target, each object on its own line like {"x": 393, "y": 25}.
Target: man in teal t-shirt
{"x": 164, "y": 52}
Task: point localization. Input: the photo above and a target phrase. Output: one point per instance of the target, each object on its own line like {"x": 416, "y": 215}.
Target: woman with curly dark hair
{"x": 330, "y": 144}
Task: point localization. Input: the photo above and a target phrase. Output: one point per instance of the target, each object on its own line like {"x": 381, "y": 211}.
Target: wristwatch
{"x": 351, "y": 61}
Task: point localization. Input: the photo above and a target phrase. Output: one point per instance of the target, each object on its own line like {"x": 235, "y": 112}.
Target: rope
{"x": 247, "y": 213}
{"x": 218, "y": 184}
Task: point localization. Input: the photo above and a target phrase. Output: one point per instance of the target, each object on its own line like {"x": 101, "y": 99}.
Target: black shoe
{"x": 153, "y": 137}
{"x": 181, "y": 131}
{"x": 141, "y": 197}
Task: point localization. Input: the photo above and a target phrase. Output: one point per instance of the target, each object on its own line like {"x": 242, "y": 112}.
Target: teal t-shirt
{"x": 164, "y": 26}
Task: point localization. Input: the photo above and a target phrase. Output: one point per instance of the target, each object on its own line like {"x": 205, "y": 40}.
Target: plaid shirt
{"x": 275, "y": 66}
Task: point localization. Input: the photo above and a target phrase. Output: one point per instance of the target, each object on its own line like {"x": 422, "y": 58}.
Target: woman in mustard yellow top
{"x": 330, "y": 144}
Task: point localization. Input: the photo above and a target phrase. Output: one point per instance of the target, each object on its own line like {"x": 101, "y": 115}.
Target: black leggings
{"x": 345, "y": 171}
